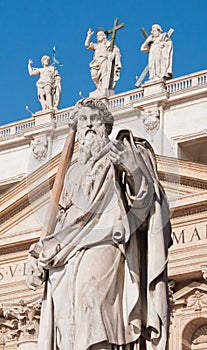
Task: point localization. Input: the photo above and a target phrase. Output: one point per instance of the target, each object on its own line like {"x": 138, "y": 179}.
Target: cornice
{"x": 11, "y": 211}
{"x": 27, "y": 192}
{"x": 43, "y": 173}
{"x": 157, "y": 98}
{"x": 182, "y": 180}
{"x": 186, "y": 94}
{"x": 12, "y": 180}
{"x": 182, "y": 168}
{"x": 189, "y": 211}
{"x": 190, "y": 205}
{"x": 17, "y": 247}
{"x": 167, "y": 99}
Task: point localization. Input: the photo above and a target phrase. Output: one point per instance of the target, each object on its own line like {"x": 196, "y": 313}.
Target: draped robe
{"x": 160, "y": 57}
{"x": 102, "y": 66}
{"x": 107, "y": 259}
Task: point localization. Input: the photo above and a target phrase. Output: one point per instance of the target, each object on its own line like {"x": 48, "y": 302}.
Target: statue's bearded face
{"x": 91, "y": 133}
{"x": 155, "y": 31}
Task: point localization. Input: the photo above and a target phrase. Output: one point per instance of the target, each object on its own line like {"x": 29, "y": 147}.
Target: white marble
{"x": 48, "y": 85}
{"x": 96, "y": 257}
{"x": 159, "y": 47}
{"x": 105, "y": 66}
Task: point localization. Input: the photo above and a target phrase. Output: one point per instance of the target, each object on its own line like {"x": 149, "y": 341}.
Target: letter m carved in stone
{"x": 180, "y": 239}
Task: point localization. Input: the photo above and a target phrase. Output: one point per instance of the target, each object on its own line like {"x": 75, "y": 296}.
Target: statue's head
{"x": 93, "y": 122}
{"x": 156, "y": 30}
{"x": 101, "y": 36}
{"x": 45, "y": 60}
{"x": 94, "y": 107}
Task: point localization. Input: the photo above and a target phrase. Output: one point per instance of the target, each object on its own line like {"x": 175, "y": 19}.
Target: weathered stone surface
{"x": 100, "y": 236}
{"x": 48, "y": 85}
{"x": 105, "y": 66}
{"x": 159, "y": 47}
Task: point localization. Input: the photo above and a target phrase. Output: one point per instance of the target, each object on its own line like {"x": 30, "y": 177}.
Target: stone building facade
{"x": 172, "y": 116}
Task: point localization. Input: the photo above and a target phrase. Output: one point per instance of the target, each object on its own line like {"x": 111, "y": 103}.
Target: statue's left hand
{"x": 122, "y": 156}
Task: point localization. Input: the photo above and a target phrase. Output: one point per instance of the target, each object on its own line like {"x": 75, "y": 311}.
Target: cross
{"x": 113, "y": 32}
{"x": 145, "y": 71}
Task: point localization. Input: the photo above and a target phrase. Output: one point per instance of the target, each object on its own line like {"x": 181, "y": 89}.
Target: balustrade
{"x": 173, "y": 86}
{"x": 22, "y": 127}
{"x": 5, "y": 132}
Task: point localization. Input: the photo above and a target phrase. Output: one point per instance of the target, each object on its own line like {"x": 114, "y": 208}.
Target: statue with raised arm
{"x": 48, "y": 85}
{"x": 106, "y": 64}
{"x": 105, "y": 264}
{"x": 160, "y": 49}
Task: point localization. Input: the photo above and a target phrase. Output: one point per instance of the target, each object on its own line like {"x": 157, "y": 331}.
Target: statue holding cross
{"x": 106, "y": 64}
{"x": 159, "y": 47}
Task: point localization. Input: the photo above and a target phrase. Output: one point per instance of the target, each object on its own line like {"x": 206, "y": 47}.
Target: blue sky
{"x": 30, "y": 29}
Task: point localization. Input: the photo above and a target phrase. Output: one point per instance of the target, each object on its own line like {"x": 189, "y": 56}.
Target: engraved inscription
{"x": 12, "y": 272}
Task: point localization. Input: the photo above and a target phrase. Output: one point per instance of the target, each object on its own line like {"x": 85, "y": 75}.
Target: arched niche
{"x": 195, "y": 335}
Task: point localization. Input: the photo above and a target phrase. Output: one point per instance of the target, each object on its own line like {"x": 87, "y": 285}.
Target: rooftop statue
{"x": 48, "y": 85}
{"x": 106, "y": 63}
{"x": 160, "y": 49}
{"x": 105, "y": 262}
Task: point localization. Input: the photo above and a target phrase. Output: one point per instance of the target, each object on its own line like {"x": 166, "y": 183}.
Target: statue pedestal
{"x": 109, "y": 92}
{"x": 152, "y": 87}
{"x": 44, "y": 116}
{"x": 99, "y": 94}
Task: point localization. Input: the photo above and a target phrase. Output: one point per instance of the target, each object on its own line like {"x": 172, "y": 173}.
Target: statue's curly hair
{"x": 94, "y": 104}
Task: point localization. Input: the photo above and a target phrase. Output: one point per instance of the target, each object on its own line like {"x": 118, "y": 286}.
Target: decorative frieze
{"x": 204, "y": 271}
{"x": 184, "y": 181}
{"x": 181, "y": 212}
{"x": 197, "y": 300}
{"x": 20, "y": 322}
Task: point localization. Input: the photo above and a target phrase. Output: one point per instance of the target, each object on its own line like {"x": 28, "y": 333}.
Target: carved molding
{"x": 197, "y": 301}
{"x": 181, "y": 180}
{"x": 192, "y": 297}
{"x": 20, "y": 321}
{"x": 7, "y": 332}
{"x": 40, "y": 147}
{"x": 204, "y": 271}
{"x": 178, "y": 212}
{"x": 19, "y": 248}
{"x": 151, "y": 120}
{"x": 171, "y": 286}
{"x": 200, "y": 335}
{"x": 27, "y": 200}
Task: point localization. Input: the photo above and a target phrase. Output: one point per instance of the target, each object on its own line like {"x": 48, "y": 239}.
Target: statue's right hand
{"x": 150, "y": 39}
{"x": 35, "y": 275}
{"x": 90, "y": 32}
{"x": 30, "y": 62}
